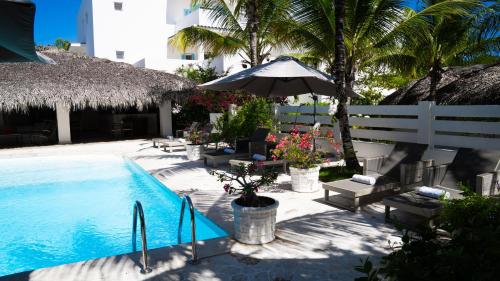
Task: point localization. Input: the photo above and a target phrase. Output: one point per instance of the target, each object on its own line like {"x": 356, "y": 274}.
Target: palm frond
{"x": 217, "y": 42}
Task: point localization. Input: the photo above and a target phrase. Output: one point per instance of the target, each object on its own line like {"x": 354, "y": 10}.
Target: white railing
{"x": 472, "y": 126}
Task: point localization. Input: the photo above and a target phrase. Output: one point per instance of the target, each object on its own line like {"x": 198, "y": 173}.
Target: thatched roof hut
{"x": 82, "y": 81}
{"x": 477, "y": 84}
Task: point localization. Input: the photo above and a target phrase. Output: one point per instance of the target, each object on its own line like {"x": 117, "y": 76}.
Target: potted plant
{"x": 195, "y": 146}
{"x": 254, "y": 216}
{"x": 297, "y": 149}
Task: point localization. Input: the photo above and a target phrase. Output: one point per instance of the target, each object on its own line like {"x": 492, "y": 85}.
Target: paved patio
{"x": 314, "y": 241}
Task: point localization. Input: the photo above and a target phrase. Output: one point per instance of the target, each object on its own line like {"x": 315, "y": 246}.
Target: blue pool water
{"x": 57, "y": 210}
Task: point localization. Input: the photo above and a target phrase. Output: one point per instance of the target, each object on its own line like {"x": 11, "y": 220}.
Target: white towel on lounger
{"x": 433, "y": 192}
{"x": 364, "y": 179}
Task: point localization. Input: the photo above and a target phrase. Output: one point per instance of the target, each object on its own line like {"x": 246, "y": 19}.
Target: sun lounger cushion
{"x": 357, "y": 189}
{"x": 229, "y": 150}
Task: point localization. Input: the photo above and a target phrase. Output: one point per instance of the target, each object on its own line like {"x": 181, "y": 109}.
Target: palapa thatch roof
{"x": 477, "y": 84}
{"x": 82, "y": 81}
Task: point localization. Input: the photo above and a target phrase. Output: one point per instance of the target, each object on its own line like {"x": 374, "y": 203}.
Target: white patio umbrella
{"x": 282, "y": 77}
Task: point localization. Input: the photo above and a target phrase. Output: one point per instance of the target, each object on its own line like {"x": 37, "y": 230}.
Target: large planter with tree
{"x": 194, "y": 148}
{"x": 297, "y": 149}
{"x": 254, "y": 216}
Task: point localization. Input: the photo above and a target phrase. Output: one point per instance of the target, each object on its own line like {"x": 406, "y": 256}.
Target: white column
{"x": 166, "y": 119}
{"x": 63, "y": 124}
{"x": 425, "y": 120}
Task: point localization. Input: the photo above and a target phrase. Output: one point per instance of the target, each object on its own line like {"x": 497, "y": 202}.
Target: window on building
{"x": 118, "y": 6}
{"x": 120, "y": 55}
{"x": 188, "y": 56}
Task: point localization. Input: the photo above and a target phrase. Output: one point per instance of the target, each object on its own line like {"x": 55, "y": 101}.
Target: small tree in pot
{"x": 254, "y": 216}
{"x": 195, "y": 146}
{"x": 297, "y": 149}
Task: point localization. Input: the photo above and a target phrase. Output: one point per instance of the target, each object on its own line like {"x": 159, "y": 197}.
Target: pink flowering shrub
{"x": 297, "y": 149}
{"x": 195, "y": 136}
{"x": 271, "y": 138}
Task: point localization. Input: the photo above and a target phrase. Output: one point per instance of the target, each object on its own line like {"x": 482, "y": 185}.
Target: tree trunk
{"x": 350, "y": 76}
{"x": 349, "y": 153}
{"x": 436, "y": 75}
{"x": 253, "y": 26}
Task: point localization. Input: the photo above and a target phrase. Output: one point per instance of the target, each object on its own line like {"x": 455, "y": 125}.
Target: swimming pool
{"x": 64, "y": 209}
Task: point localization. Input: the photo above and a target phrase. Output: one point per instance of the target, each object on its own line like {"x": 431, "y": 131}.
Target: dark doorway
{"x": 108, "y": 124}
{"x": 36, "y": 126}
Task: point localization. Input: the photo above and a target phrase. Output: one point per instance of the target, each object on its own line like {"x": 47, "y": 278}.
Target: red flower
{"x": 271, "y": 138}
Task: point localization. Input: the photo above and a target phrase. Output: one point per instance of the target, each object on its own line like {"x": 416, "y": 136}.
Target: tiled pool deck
{"x": 314, "y": 241}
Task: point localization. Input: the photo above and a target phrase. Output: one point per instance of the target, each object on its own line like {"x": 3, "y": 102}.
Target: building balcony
{"x": 199, "y": 17}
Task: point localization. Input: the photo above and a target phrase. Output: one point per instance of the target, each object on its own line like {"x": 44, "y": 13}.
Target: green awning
{"x": 16, "y": 32}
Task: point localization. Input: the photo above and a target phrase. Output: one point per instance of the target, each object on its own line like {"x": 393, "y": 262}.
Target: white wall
{"x": 85, "y": 27}
{"x": 142, "y": 29}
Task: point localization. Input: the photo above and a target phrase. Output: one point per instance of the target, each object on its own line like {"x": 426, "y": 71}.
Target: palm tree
{"x": 366, "y": 22}
{"x": 340, "y": 50}
{"x": 438, "y": 34}
{"x": 315, "y": 29}
{"x": 250, "y": 28}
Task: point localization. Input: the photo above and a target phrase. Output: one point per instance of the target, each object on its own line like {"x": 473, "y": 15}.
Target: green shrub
{"x": 335, "y": 173}
{"x": 251, "y": 115}
{"x": 472, "y": 252}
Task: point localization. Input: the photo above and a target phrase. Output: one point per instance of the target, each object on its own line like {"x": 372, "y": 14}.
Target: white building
{"x": 137, "y": 32}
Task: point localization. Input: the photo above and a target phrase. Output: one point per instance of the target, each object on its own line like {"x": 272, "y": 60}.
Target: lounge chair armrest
{"x": 488, "y": 183}
{"x": 372, "y": 164}
{"x": 434, "y": 175}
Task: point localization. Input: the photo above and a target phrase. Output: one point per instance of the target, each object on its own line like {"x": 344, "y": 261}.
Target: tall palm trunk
{"x": 253, "y": 26}
{"x": 436, "y": 73}
{"x": 340, "y": 50}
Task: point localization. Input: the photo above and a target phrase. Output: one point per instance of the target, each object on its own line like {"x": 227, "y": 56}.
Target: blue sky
{"x": 57, "y": 19}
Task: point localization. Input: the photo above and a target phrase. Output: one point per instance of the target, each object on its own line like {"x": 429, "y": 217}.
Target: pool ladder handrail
{"x": 139, "y": 211}
{"x": 194, "y": 253}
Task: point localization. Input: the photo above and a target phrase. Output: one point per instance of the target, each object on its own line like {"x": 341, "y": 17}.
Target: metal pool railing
{"x": 139, "y": 211}
{"x": 194, "y": 253}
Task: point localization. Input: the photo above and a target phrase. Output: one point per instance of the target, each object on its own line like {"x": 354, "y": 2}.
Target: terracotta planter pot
{"x": 194, "y": 151}
{"x": 305, "y": 180}
{"x": 255, "y": 225}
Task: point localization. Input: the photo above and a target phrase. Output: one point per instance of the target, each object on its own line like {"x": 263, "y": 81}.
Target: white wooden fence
{"x": 302, "y": 118}
{"x": 472, "y": 126}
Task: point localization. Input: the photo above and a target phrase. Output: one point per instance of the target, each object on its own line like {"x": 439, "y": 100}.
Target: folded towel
{"x": 433, "y": 192}
{"x": 259, "y": 157}
{"x": 181, "y": 140}
{"x": 229, "y": 150}
{"x": 364, "y": 179}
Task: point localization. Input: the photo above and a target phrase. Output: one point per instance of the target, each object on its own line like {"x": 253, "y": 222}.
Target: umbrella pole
{"x": 315, "y": 99}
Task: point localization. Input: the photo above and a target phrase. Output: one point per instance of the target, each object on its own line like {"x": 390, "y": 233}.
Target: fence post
{"x": 425, "y": 131}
